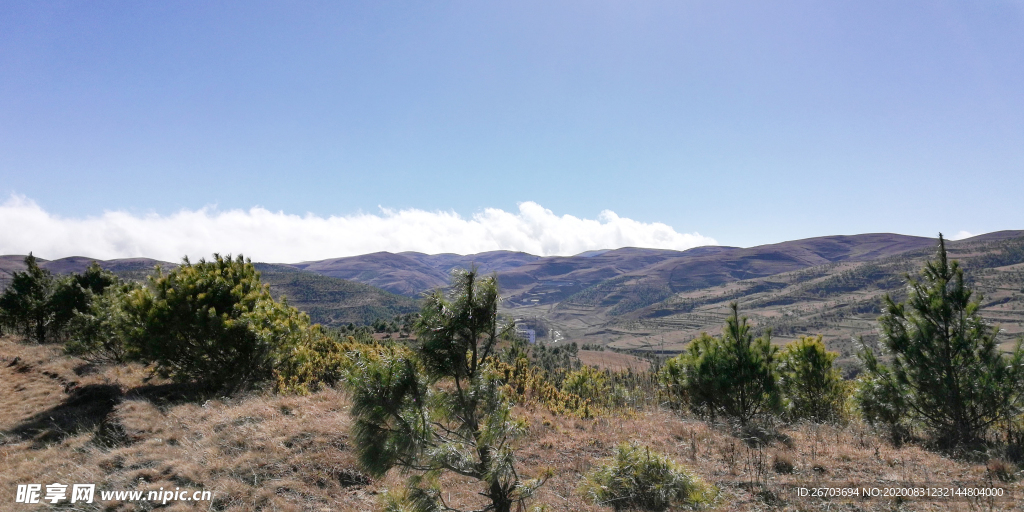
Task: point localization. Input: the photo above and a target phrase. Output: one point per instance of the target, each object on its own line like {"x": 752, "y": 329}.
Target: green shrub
{"x": 556, "y": 361}
{"x": 25, "y": 306}
{"x": 880, "y": 400}
{"x": 635, "y": 478}
{"x": 318, "y": 357}
{"x": 813, "y": 387}
{"x": 41, "y": 306}
{"x": 214, "y": 323}
{"x": 588, "y": 383}
{"x": 107, "y": 331}
{"x": 672, "y": 379}
{"x": 522, "y": 382}
{"x": 74, "y": 294}
{"x": 442, "y": 408}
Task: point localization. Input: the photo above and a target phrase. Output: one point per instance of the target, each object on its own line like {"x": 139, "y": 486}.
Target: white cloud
{"x": 279, "y": 237}
{"x": 961, "y": 235}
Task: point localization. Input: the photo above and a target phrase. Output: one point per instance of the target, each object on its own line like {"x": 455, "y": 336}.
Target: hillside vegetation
{"x": 201, "y": 379}
{"x": 329, "y": 301}
{"x": 66, "y": 420}
{"x": 645, "y": 299}
{"x": 840, "y": 301}
{"x": 332, "y": 301}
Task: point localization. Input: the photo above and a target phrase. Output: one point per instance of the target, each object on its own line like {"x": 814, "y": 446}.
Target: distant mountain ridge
{"x": 590, "y": 295}
{"x": 134, "y": 268}
{"x": 412, "y": 273}
{"x": 840, "y": 300}
{"x": 529, "y": 278}
{"x": 656, "y": 299}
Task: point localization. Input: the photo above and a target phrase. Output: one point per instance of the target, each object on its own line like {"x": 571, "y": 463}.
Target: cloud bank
{"x": 269, "y": 236}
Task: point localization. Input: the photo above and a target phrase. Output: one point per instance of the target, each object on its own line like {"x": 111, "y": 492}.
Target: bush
{"x": 635, "y": 478}
{"x": 813, "y": 387}
{"x": 672, "y": 379}
{"x": 318, "y": 358}
{"x": 523, "y": 382}
{"x": 214, "y": 323}
{"x": 107, "y": 331}
{"x": 556, "y": 361}
{"x": 588, "y": 383}
{"x": 881, "y": 402}
{"x": 73, "y": 295}
{"x": 41, "y": 306}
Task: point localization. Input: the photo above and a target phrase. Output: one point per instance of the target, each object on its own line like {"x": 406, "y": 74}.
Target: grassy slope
{"x": 332, "y": 301}
{"x": 839, "y": 300}
{"x": 262, "y": 452}
{"x": 69, "y": 422}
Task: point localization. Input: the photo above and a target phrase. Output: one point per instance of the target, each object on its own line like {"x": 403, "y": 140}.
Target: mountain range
{"x": 648, "y": 299}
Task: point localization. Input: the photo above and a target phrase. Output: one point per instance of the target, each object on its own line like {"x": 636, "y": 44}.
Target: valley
{"x": 650, "y": 300}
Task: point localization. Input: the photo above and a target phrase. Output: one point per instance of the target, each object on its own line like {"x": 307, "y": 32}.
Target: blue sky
{"x": 748, "y": 122}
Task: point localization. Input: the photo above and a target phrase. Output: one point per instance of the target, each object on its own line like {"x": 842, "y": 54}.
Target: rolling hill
{"x": 649, "y": 299}
{"x": 840, "y": 300}
{"x": 328, "y": 300}
{"x": 413, "y": 273}
{"x": 127, "y": 268}
{"x": 331, "y": 301}
{"x": 527, "y": 280}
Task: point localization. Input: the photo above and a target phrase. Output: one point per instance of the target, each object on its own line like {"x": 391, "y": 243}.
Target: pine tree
{"x": 213, "y": 323}
{"x": 733, "y": 375}
{"x": 813, "y": 387}
{"x": 25, "y": 305}
{"x": 40, "y": 305}
{"x": 441, "y": 409}
{"x": 945, "y": 368}
{"x": 75, "y": 293}
{"x": 107, "y": 331}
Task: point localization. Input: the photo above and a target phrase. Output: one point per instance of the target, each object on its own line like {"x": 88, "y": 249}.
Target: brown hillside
{"x": 63, "y": 420}
{"x": 486, "y": 262}
{"x": 841, "y": 301}
{"x": 392, "y": 272}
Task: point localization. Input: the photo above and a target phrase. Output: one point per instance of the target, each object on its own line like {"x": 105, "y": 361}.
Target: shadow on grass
{"x": 84, "y": 410}
{"x": 89, "y": 408}
{"x": 165, "y": 396}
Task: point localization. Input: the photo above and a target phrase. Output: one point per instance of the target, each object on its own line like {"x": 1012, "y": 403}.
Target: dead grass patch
{"x": 255, "y": 452}
{"x": 267, "y": 452}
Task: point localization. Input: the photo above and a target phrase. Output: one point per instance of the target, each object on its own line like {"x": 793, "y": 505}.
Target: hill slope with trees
{"x": 328, "y": 300}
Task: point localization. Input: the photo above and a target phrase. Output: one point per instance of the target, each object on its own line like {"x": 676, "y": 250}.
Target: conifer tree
{"x": 945, "y": 368}
{"x": 25, "y": 305}
{"x": 441, "y": 408}
{"x": 734, "y": 375}
{"x": 108, "y": 330}
{"x": 213, "y": 323}
{"x": 812, "y": 385}
{"x": 40, "y": 305}
{"x": 75, "y": 293}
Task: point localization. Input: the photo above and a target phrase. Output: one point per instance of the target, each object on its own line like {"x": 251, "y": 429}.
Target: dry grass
{"x": 63, "y": 421}
{"x": 614, "y": 361}
{"x": 810, "y": 455}
{"x": 253, "y": 452}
